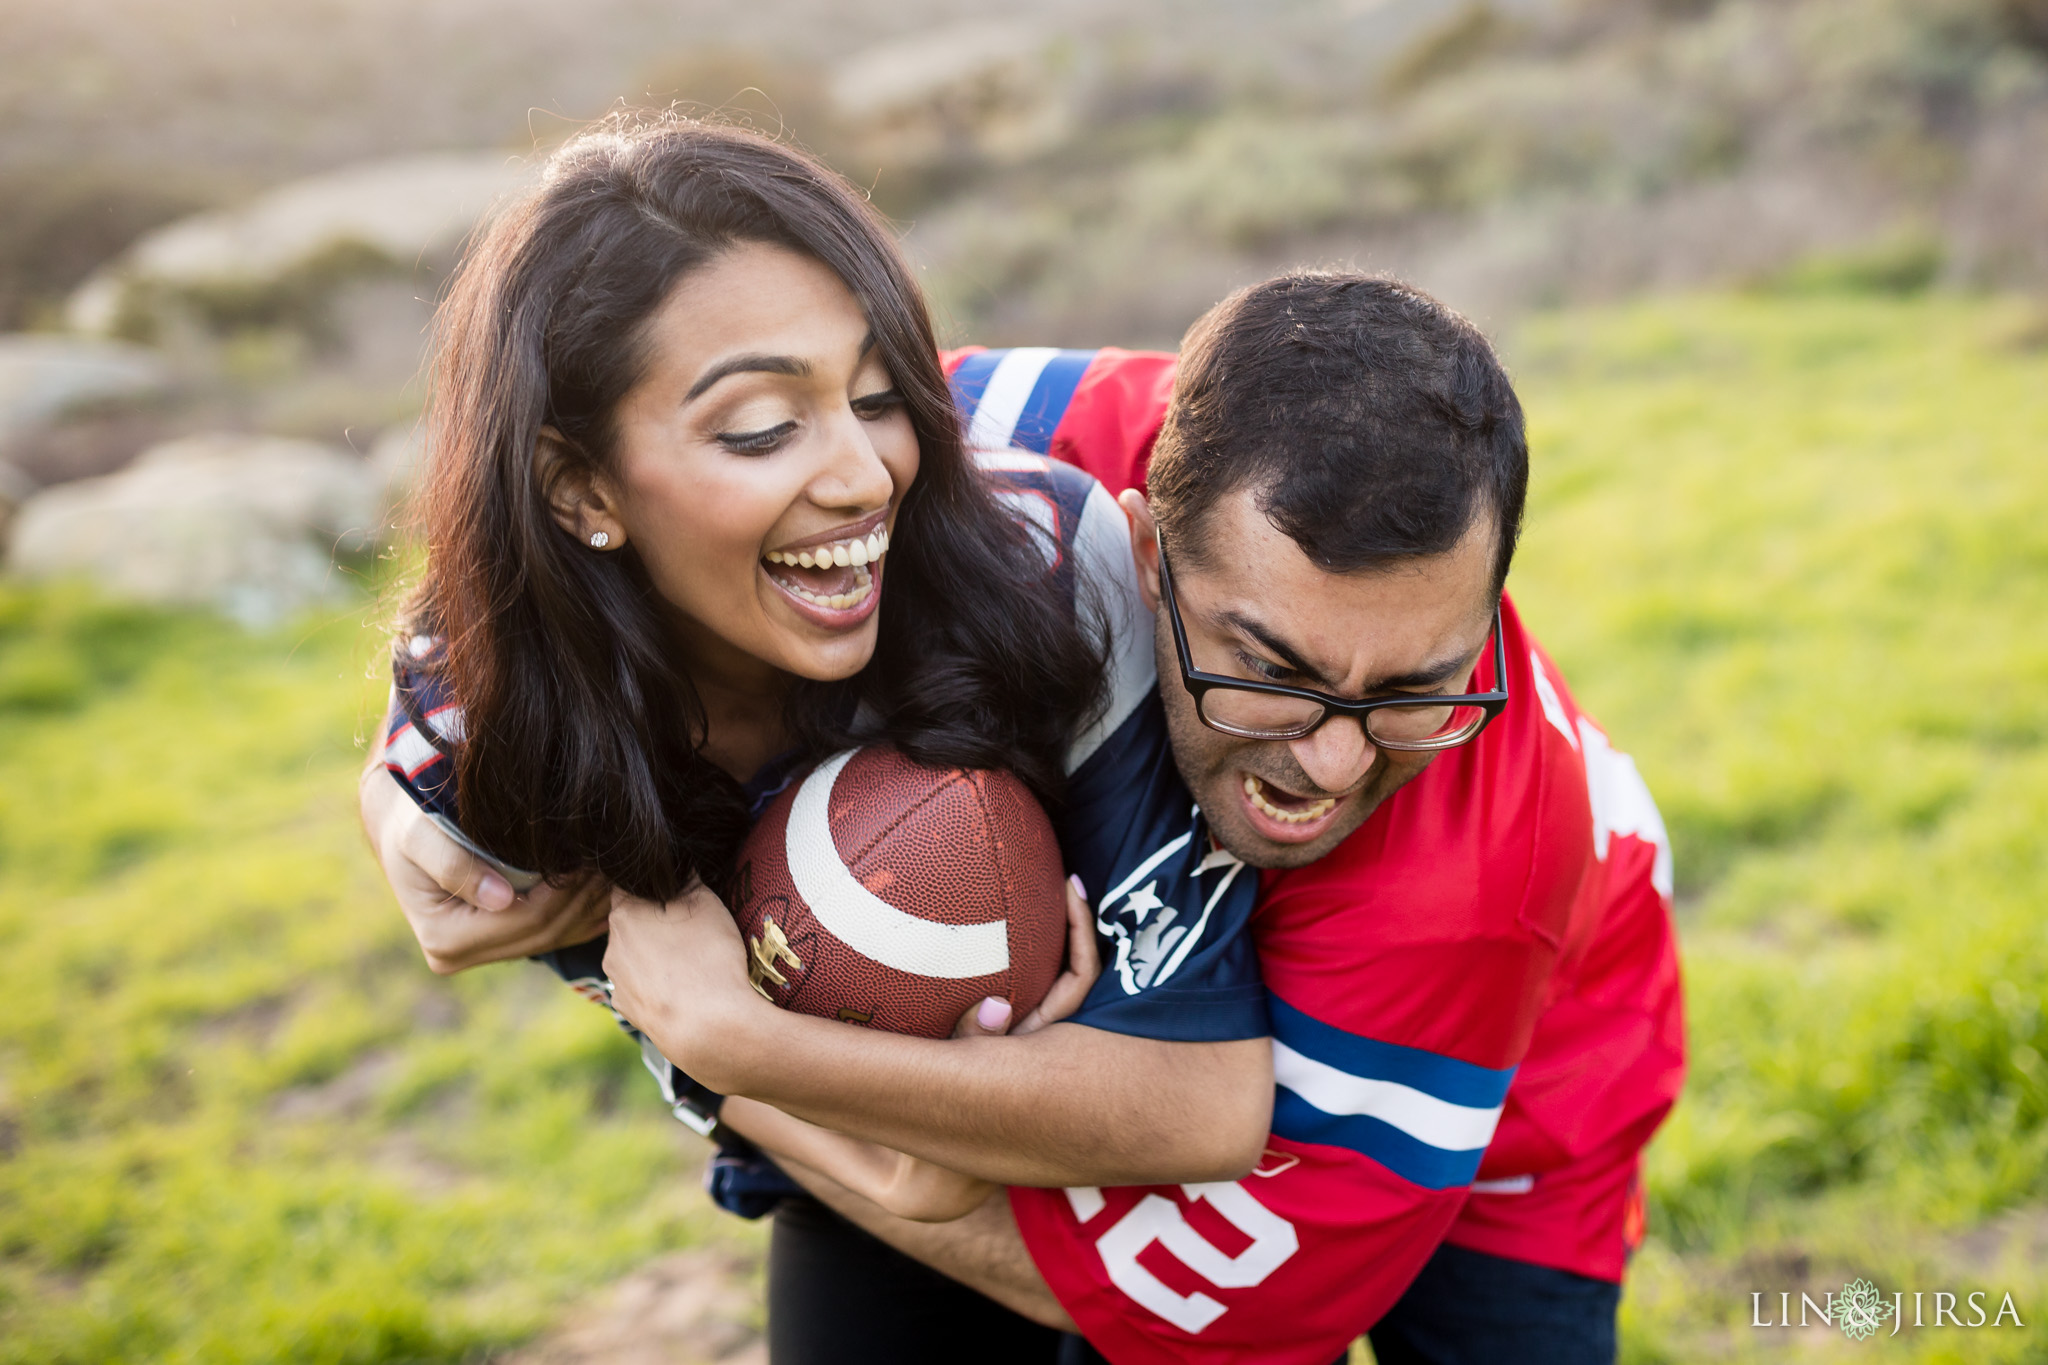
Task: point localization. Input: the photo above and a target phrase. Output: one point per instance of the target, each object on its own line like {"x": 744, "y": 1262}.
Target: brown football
{"x": 882, "y": 892}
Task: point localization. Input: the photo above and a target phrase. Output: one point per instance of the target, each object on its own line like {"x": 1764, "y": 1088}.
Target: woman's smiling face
{"x": 758, "y": 466}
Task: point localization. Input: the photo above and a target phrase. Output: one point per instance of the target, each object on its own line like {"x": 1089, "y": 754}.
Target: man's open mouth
{"x": 836, "y": 576}
{"x": 1285, "y": 806}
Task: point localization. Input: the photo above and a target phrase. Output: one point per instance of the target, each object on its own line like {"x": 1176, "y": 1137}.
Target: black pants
{"x": 1468, "y": 1308}
{"x": 837, "y": 1296}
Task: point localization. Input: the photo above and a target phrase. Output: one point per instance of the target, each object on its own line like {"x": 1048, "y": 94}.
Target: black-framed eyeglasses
{"x": 1261, "y": 710}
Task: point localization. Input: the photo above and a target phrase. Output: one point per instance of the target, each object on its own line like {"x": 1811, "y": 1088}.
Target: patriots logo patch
{"x": 1150, "y": 923}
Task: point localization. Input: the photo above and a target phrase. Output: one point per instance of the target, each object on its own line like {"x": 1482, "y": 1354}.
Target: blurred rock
{"x": 1998, "y": 217}
{"x": 247, "y": 524}
{"x": 382, "y": 328}
{"x": 15, "y": 489}
{"x": 43, "y": 376}
{"x": 400, "y": 212}
{"x": 89, "y": 444}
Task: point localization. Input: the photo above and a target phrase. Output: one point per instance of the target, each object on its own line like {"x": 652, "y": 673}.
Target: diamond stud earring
{"x": 599, "y": 540}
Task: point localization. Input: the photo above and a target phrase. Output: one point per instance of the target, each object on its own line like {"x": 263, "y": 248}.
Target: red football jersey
{"x": 1475, "y": 1004}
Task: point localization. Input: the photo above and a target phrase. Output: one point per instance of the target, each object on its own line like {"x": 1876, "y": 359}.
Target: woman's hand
{"x": 679, "y": 972}
{"x": 1084, "y": 964}
{"x": 462, "y": 913}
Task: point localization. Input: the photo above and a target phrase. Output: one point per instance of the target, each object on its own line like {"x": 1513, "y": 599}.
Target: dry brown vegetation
{"x": 1103, "y": 171}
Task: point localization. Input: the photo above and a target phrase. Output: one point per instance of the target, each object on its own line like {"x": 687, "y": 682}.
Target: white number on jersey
{"x": 1157, "y": 1219}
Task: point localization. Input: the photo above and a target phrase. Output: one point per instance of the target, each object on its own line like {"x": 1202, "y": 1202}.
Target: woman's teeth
{"x": 843, "y": 554}
{"x": 1314, "y": 810}
{"x": 863, "y": 584}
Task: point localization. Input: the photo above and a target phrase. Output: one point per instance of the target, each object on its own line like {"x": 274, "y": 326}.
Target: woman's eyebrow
{"x": 790, "y": 365}
{"x": 745, "y": 364}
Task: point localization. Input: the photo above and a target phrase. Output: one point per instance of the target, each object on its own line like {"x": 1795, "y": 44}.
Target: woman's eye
{"x": 874, "y": 405}
{"x": 756, "y": 442}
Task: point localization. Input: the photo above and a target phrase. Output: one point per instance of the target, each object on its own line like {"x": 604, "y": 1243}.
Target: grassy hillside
{"x": 1792, "y": 550}
{"x": 240, "y": 1121}
{"x": 1795, "y": 553}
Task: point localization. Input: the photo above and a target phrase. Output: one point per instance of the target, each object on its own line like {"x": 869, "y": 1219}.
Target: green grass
{"x": 1794, "y": 553}
{"x": 1792, "y": 550}
{"x": 240, "y": 1120}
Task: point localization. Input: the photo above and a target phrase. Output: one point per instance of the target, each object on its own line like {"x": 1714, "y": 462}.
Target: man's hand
{"x": 462, "y": 913}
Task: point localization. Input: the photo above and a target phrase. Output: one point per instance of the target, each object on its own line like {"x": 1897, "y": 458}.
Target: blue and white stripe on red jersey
{"x": 1098, "y": 410}
{"x": 1016, "y": 397}
{"x": 1424, "y": 1116}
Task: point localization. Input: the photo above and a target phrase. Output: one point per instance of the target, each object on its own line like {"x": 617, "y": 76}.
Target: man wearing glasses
{"x": 1464, "y": 928}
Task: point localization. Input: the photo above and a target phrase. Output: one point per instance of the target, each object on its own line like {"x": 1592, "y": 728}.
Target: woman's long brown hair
{"x": 581, "y": 729}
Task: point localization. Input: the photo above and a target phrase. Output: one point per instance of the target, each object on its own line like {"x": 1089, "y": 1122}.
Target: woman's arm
{"x": 462, "y": 913}
{"x": 1070, "y": 1105}
{"x": 902, "y": 1185}
{"x": 1067, "y": 1105}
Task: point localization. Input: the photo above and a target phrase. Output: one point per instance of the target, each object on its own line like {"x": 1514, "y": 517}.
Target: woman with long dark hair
{"x": 697, "y": 512}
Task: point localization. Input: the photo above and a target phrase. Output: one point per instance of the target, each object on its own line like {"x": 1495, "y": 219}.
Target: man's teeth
{"x": 863, "y": 584}
{"x": 1315, "y": 810}
{"x": 843, "y": 554}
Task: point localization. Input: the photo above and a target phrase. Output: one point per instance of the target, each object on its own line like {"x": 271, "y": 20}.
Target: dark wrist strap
{"x": 696, "y": 1106}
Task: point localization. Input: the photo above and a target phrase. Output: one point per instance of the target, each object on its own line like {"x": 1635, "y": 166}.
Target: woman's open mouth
{"x": 835, "y": 583}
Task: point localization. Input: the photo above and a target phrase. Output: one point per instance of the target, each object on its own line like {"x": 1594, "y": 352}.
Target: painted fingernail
{"x": 993, "y": 1013}
{"x": 494, "y": 892}
{"x": 1074, "y": 880}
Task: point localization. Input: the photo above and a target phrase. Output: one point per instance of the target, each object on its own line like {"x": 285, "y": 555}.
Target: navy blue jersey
{"x": 1170, "y": 905}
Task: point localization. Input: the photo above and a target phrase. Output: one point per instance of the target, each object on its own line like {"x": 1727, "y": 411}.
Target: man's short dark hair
{"x": 1374, "y": 423}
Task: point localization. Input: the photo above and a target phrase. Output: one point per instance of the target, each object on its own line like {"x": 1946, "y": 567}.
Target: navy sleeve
{"x": 421, "y": 728}
{"x": 1172, "y": 909}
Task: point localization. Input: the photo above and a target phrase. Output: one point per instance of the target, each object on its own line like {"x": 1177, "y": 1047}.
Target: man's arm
{"x": 900, "y": 1185}
{"x": 1067, "y": 1105}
